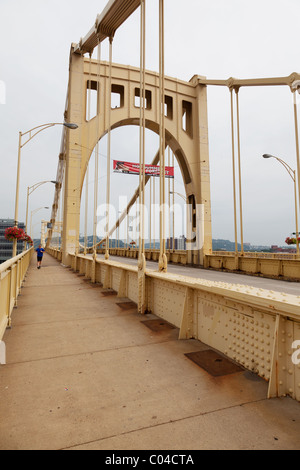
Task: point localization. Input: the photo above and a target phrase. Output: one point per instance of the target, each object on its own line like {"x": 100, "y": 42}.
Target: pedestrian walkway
{"x": 85, "y": 371}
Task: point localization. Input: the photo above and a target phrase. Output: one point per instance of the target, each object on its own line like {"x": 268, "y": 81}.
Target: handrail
{"x": 256, "y": 254}
{"x": 10, "y": 262}
{"x": 12, "y": 274}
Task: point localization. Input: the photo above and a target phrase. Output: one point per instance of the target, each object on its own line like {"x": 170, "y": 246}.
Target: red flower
{"x": 15, "y": 233}
{"x": 291, "y": 241}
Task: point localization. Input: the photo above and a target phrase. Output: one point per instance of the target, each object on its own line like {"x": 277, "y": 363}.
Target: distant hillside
{"x": 218, "y": 245}
{"x": 227, "y": 245}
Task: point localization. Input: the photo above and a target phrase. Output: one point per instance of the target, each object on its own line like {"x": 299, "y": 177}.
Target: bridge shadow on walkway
{"x": 84, "y": 372}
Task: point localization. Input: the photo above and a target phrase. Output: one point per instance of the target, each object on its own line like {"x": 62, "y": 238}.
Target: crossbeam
{"x": 113, "y": 16}
{"x": 249, "y": 82}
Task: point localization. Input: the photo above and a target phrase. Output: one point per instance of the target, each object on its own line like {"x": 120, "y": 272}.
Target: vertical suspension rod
{"x": 240, "y": 169}
{"x": 97, "y": 151}
{"x": 169, "y": 201}
{"x": 173, "y": 203}
{"x": 108, "y": 150}
{"x": 87, "y": 171}
{"x": 234, "y": 176}
{"x": 162, "y": 261}
{"x": 297, "y": 141}
{"x": 142, "y": 174}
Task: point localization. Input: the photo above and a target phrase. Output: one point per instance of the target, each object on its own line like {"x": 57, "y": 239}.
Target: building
{"x": 280, "y": 249}
{"x": 6, "y": 246}
{"x": 179, "y": 243}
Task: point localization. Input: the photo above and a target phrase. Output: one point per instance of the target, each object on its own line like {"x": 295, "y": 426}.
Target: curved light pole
{"x": 30, "y": 135}
{"x": 32, "y": 213}
{"x": 181, "y": 195}
{"x": 30, "y": 190}
{"x": 292, "y": 174}
{"x": 187, "y": 216}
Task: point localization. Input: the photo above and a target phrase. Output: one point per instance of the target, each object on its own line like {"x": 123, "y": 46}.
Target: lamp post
{"x": 187, "y": 218}
{"x": 181, "y": 195}
{"x": 292, "y": 174}
{"x": 32, "y": 213}
{"x": 30, "y": 190}
{"x": 30, "y": 135}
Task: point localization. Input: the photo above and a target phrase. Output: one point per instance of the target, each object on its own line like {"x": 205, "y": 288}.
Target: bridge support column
{"x": 72, "y": 196}
{"x": 203, "y": 209}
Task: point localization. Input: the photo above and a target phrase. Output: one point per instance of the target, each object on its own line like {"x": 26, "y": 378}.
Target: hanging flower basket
{"x": 15, "y": 233}
{"x": 292, "y": 240}
{"x": 28, "y": 239}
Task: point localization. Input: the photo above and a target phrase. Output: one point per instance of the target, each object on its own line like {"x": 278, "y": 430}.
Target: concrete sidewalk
{"x": 85, "y": 372}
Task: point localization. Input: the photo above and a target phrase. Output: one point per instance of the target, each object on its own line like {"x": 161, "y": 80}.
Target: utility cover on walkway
{"x": 214, "y": 363}
{"x": 158, "y": 325}
{"x": 108, "y": 292}
{"x": 127, "y": 305}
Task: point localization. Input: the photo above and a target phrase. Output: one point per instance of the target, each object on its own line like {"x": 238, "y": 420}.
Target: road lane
{"x": 292, "y": 288}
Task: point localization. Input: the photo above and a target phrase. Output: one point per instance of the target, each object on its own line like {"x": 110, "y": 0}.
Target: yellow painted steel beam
{"x": 113, "y": 16}
{"x": 190, "y": 145}
{"x": 237, "y": 82}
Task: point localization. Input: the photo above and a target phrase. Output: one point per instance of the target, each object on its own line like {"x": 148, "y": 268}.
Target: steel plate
{"x": 215, "y": 364}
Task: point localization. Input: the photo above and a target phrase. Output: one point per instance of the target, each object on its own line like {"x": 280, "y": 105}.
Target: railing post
{"x": 2, "y": 353}
{"x": 9, "y": 299}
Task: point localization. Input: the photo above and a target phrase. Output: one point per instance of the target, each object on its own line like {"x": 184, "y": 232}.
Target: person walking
{"x": 40, "y": 253}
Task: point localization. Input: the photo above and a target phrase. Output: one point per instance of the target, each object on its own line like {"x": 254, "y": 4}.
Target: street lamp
{"x": 187, "y": 216}
{"x": 181, "y": 195}
{"x": 292, "y": 174}
{"x": 30, "y": 190}
{"x": 30, "y": 135}
{"x": 32, "y": 213}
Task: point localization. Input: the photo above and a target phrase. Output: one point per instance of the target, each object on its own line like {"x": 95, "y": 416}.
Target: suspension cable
{"x": 108, "y": 151}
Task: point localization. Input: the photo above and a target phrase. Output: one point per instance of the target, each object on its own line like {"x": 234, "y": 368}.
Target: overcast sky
{"x": 214, "y": 38}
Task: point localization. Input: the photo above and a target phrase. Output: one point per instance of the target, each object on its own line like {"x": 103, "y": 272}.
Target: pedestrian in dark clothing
{"x": 40, "y": 253}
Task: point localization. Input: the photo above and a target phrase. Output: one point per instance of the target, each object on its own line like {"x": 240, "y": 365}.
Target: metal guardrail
{"x": 12, "y": 274}
{"x": 276, "y": 266}
{"x": 257, "y": 254}
{"x": 176, "y": 256}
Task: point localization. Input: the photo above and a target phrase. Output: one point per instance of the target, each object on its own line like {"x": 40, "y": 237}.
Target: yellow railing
{"x": 12, "y": 274}
{"x": 176, "y": 256}
{"x": 257, "y": 254}
{"x": 273, "y": 266}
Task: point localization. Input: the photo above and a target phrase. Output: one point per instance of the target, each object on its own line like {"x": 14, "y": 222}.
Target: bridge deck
{"x": 288, "y": 287}
{"x": 85, "y": 373}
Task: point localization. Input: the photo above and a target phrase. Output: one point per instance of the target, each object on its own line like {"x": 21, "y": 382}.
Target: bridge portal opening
{"x": 92, "y": 99}
{"x": 125, "y": 148}
{"x": 137, "y": 99}
{"x": 117, "y": 96}
{"x": 187, "y": 117}
{"x": 169, "y": 107}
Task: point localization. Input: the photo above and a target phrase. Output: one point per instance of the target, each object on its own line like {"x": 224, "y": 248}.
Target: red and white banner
{"x": 134, "y": 169}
